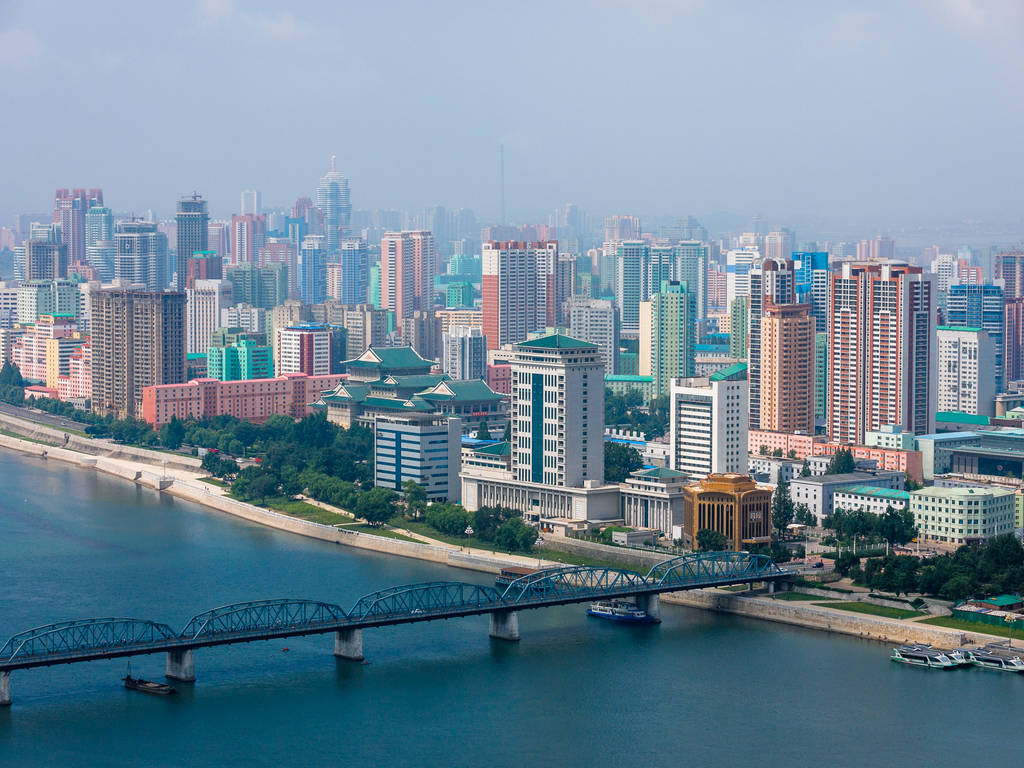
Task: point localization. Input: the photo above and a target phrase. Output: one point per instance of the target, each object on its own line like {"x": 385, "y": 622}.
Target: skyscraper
{"x": 355, "y": 258}
{"x": 668, "y": 335}
{"x": 465, "y": 353}
{"x": 771, "y": 282}
{"x": 982, "y": 306}
{"x": 596, "y": 321}
{"x": 708, "y": 423}
{"x": 514, "y": 289}
{"x": 879, "y": 249}
{"x": 1010, "y": 268}
{"x": 738, "y": 263}
{"x": 204, "y": 302}
{"x": 263, "y": 287}
{"x": 192, "y": 236}
{"x": 632, "y": 282}
{"x": 141, "y": 255}
{"x": 881, "y": 350}
{"x": 138, "y": 340}
{"x": 252, "y": 201}
{"x": 45, "y": 260}
{"x": 248, "y": 237}
{"x": 313, "y": 269}
{"x": 69, "y": 209}
{"x": 966, "y": 358}
{"x": 557, "y": 412}
{"x": 407, "y": 264}
{"x": 1013, "y": 341}
{"x": 332, "y": 198}
{"x": 620, "y": 227}
{"x": 99, "y": 226}
{"x": 787, "y": 376}
{"x": 779, "y": 245}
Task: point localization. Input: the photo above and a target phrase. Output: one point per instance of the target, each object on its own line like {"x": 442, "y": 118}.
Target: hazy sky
{"x": 907, "y": 110}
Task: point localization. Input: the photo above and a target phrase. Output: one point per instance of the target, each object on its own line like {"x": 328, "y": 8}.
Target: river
{"x": 699, "y": 689}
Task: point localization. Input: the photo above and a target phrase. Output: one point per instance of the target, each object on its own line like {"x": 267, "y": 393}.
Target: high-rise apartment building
{"x": 779, "y": 245}
{"x": 69, "y": 209}
{"x": 771, "y": 282}
{"x": 352, "y": 272}
{"x": 982, "y": 306}
{"x": 620, "y": 227}
{"x": 879, "y": 249}
{"x": 422, "y": 332}
{"x": 315, "y": 350}
{"x": 252, "y": 201}
{"x": 407, "y": 264}
{"x": 204, "y": 303}
{"x": 248, "y": 238}
{"x": 668, "y": 336}
{"x": 140, "y": 254}
{"x": 332, "y": 198}
{"x": 45, "y": 260}
{"x": 245, "y": 316}
{"x": 365, "y": 326}
{"x": 99, "y": 225}
{"x": 203, "y": 265}
{"x": 281, "y": 250}
{"x": 787, "y": 373}
{"x": 465, "y": 353}
{"x": 708, "y": 423}
{"x": 821, "y": 393}
{"x": 263, "y": 287}
{"x": 738, "y": 264}
{"x": 514, "y": 289}
{"x": 632, "y": 283}
{"x": 1009, "y": 267}
{"x": 882, "y": 350}
{"x": 313, "y": 269}
{"x": 739, "y": 326}
{"x": 192, "y": 236}
{"x": 218, "y": 237}
{"x": 596, "y": 321}
{"x": 138, "y": 340}
{"x": 966, "y": 360}
{"x": 234, "y": 354}
{"x": 557, "y": 412}
{"x": 1013, "y": 341}
{"x": 691, "y": 259}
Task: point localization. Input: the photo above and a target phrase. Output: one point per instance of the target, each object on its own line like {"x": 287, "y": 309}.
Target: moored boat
{"x": 925, "y": 656}
{"x": 147, "y": 686}
{"x": 619, "y": 610}
{"x": 997, "y": 656}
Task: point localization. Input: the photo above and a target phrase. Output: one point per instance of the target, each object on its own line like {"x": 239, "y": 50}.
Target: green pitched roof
{"x": 732, "y": 373}
{"x": 959, "y": 417}
{"x": 556, "y": 341}
{"x": 659, "y": 473}
{"x": 496, "y": 449}
{"x": 1002, "y": 600}
{"x": 415, "y": 381}
{"x": 390, "y": 357}
{"x": 461, "y": 389}
{"x": 397, "y": 403}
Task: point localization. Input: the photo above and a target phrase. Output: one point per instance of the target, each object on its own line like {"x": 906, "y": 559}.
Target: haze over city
{"x": 854, "y": 114}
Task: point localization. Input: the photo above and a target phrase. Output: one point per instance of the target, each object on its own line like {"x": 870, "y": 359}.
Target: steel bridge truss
{"x": 87, "y": 639}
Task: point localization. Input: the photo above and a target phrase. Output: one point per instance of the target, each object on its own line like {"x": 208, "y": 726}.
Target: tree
{"x": 782, "y": 507}
{"x": 805, "y": 470}
{"x": 514, "y": 534}
{"x": 777, "y": 453}
{"x": 10, "y": 376}
{"x": 803, "y": 515}
{"x": 415, "y": 499}
{"x": 897, "y": 527}
{"x": 845, "y": 562}
{"x": 482, "y": 433}
{"x": 172, "y": 434}
{"x": 791, "y": 454}
{"x": 764, "y": 450}
{"x": 841, "y": 462}
{"x": 709, "y": 540}
{"x": 376, "y": 505}
{"x": 619, "y": 461}
{"x": 910, "y": 484}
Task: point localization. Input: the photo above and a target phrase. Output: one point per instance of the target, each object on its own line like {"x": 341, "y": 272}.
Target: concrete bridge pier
{"x": 504, "y": 625}
{"x": 348, "y": 644}
{"x": 5, "y": 689}
{"x": 651, "y": 604}
{"x": 181, "y": 666}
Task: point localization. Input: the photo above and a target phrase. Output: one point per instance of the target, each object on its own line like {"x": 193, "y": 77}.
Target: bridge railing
{"x": 261, "y": 616}
{"x": 69, "y": 638}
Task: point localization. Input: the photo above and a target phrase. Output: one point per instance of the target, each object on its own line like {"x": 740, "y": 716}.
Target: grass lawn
{"x": 304, "y": 510}
{"x": 384, "y": 532}
{"x": 873, "y": 610}
{"x": 214, "y": 481}
{"x": 795, "y": 596}
{"x": 418, "y": 526}
{"x": 27, "y": 439}
{"x": 973, "y": 626}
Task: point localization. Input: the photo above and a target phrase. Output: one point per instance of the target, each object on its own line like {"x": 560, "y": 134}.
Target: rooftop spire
{"x": 332, "y": 163}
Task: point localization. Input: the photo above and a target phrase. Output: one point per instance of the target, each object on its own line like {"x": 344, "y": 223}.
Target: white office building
{"x": 708, "y": 431}
{"x": 596, "y": 321}
{"x": 954, "y": 516}
{"x": 465, "y": 353}
{"x": 244, "y": 316}
{"x": 203, "y": 305}
{"x": 966, "y": 370}
{"x": 738, "y": 263}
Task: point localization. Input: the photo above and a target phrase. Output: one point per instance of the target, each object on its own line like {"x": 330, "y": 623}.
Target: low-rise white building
{"x": 955, "y": 516}
{"x": 818, "y": 493}
{"x": 653, "y": 499}
{"x": 868, "y": 498}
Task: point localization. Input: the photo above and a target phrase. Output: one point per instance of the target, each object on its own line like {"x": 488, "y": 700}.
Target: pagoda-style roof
{"x": 387, "y": 359}
{"x": 461, "y": 390}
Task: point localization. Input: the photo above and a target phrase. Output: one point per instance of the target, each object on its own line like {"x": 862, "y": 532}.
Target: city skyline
{"x": 927, "y": 70}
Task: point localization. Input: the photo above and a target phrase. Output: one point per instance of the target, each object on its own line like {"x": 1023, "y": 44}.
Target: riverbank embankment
{"x": 184, "y": 484}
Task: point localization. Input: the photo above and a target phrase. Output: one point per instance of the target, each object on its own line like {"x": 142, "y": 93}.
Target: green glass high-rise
{"x": 236, "y": 354}
{"x": 739, "y": 317}
{"x": 669, "y": 320}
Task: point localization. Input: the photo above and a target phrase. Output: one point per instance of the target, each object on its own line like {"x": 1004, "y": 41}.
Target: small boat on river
{"x": 620, "y": 610}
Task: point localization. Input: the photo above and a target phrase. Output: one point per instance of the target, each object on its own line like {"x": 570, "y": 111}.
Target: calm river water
{"x": 699, "y": 690}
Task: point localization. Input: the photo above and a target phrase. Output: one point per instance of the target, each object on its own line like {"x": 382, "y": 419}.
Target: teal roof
{"x": 496, "y": 449}
{"x": 390, "y": 357}
{"x": 556, "y": 341}
{"x": 661, "y": 473}
{"x": 396, "y": 403}
{"x": 1002, "y": 600}
{"x": 625, "y": 377}
{"x": 461, "y": 390}
{"x": 346, "y": 393}
{"x": 969, "y": 328}
{"x": 881, "y": 493}
{"x": 959, "y": 417}
{"x": 195, "y": 355}
{"x": 732, "y": 373}
{"x": 414, "y": 381}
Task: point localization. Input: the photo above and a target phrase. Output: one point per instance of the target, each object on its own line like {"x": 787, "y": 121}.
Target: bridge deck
{"x": 96, "y": 639}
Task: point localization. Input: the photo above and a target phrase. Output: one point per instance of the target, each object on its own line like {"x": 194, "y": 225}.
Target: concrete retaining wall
{"x": 636, "y": 557}
{"x": 864, "y": 597}
{"x": 814, "y": 617}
